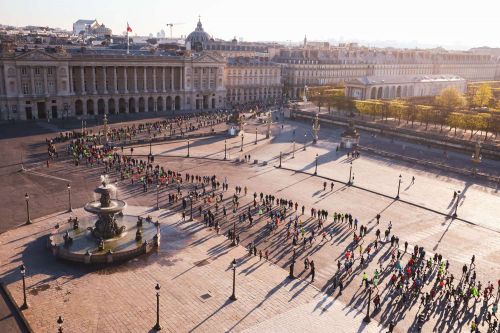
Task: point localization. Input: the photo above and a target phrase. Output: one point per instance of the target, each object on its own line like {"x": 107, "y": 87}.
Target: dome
{"x": 198, "y": 35}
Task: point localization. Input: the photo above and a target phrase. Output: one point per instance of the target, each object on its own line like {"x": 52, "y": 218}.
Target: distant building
{"x": 83, "y": 26}
{"x": 402, "y": 86}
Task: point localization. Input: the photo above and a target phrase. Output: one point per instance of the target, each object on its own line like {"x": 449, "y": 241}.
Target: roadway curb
{"x": 18, "y": 311}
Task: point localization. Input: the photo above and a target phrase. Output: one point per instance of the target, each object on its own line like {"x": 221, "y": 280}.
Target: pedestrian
{"x": 260, "y": 255}
{"x": 313, "y": 270}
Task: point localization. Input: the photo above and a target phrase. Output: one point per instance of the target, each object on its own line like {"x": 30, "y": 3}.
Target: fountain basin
{"x": 84, "y": 247}
{"x": 115, "y": 206}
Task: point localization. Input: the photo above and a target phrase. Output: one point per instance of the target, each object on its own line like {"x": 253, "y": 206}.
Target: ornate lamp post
{"x": 225, "y": 150}
{"x": 316, "y": 167}
{"x": 25, "y": 305}
{"x": 456, "y": 205}
{"x": 280, "y": 161}
{"x": 367, "y": 318}
{"x": 157, "y": 326}
{"x": 70, "y": 209}
{"x": 157, "y": 196}
{"x": 242, "y": 136}
{"x": 191, "y": 206}
{"x": 350, "y": 174}
{"x": 28, "y": 219}
{"x": 255, "y": 135}
{"x": 233, "y": 296}
{"x": 60, "y": 321}
{"x": 399, "y": 187}
{"x": 150, "y": 151}
{"x": 188, "y": 149}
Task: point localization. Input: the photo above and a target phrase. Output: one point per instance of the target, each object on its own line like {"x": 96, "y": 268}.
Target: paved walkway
{"x": 192, "y": 267}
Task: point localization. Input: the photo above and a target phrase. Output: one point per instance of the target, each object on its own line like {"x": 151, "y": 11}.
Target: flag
{"x": 129, "y": 29}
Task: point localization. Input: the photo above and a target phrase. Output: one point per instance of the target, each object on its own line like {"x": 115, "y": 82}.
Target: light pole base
{"x": 24, "y": 306}
{"x": 29, "y": 222}
{"x": 233, "y": 297}
{"x": 367, "y": 319}
{"x": 157, "y": 327}
{"x": 454, "y": 215}
{"x": 397, "y": 197}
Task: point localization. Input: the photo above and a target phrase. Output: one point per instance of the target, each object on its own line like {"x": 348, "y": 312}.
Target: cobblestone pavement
{"x": 455, "y": 239}
{"x": 193, "y": 269}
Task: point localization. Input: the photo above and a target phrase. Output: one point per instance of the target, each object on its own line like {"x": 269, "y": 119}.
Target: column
{"x": 163, "y": 84}
{"x": 71, "y": 83}
{"x": 125, "y": 78}
{"x": 105, "y": 79}
{"x": 172, "y": 87}
{"x": 94, "y": 83}
{"x": 181, "y": 78}
{"x": 82, "y": 80}
{"x": 32, "y": 77}
{"x": 154, "y": 80}
{"x": 19, "y": 85}
{"x": 115, "y": 80}
{"x": 135, "y": 80}
{"x": 45, "y": 81}
{"x": 145, "y": 80}
{"x": 209, "y": 76}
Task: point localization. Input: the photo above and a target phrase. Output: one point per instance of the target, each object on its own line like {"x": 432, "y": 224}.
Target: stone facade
{"x": 41, "y": 84}
{"x": 392, "y": 87}
{"x": 313, "y": 67}
{"x": 251, "y": 80}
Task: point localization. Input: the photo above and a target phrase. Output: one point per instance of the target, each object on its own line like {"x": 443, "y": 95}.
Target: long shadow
{"x": 226, "y": 303}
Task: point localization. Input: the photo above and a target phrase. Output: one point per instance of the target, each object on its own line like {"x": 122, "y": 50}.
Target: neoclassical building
{"x": 252, "y": 79}
{"x": 402, "y": 86}
{"x": 54, "y": 83}
{"x": 307, "y": 66}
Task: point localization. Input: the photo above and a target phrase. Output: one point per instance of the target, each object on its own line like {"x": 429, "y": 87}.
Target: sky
{"x": 416, "y": 23}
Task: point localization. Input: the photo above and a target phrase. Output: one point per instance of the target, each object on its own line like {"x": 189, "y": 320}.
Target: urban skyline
{"x": 372, "y": 24}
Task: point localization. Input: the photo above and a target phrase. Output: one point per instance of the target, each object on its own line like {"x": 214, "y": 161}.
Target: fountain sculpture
{"x": 106, "y": 208}
{"x": 113, "y": 237}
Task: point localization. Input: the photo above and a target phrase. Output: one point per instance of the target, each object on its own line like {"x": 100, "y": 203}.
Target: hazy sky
{"x": 436, "y": 22}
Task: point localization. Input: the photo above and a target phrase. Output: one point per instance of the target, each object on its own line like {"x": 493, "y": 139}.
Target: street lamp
{"x": 191, "y": 204}
{"x": 157, "y": 327}
{"x": 225, "y": 150}
{"x": 305, "y": 139}
{"x": 456, "y": 204}
{"x": 157, "y": 196}
{"x": 150, "y": 152}
{"x": 27, "y": 197}
{"x": 60, "y": 321}
{"x": 255, "y": 135}
{"x": 367, "y": 317}
{"x": 233, "y": 242}
{"x": 350, "y": 173}
{"x": 233, "y": 296}
{"x": 69, "y": 198}
{"x": 399, "y": 186}
{"x": 188, "y": 149}
{"x": 242, "y": 136}
{"x": 316, "y": 167}
{"x": 23, "y": 274}
{"x": 280, "y": 161}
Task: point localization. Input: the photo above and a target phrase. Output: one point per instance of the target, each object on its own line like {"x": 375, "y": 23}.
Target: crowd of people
{"x": 404, "y": 277}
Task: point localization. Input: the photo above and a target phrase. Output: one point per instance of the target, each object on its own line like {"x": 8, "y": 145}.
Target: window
{"x": 24, "y": 70}
{"x": 52, "y": 88}
{"x": 38, "y": 87}
{"x": 49, "y": 71}
{"x": 26, "y": 89}
{"x": 37, "y": 70}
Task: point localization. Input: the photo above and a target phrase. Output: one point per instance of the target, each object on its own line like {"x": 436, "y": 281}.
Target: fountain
{"x": 113, "y": 237}
{"x": 106, "y": 208}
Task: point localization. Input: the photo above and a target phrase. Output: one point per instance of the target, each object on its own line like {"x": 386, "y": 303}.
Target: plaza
{"x": 193, "y": 263}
